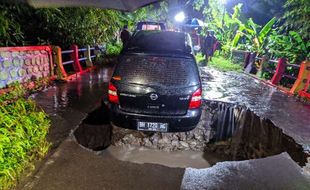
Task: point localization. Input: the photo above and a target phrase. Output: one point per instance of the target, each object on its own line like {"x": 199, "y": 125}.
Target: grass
{"x": 220, "y": 63}
{"x": 200, "y": 58}
{"x": 23, "y": 130}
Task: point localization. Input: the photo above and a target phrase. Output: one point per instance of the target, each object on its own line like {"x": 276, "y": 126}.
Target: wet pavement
{"x": 74, "y": 168}
{"x": 266, "y": 101}
{"x": 70, "y": 166}
{"x": 274, "y": 172}
{"x": 68, "y": 104}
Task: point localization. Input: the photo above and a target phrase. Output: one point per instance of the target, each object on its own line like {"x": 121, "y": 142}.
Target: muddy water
{"x": 180, "y": 159}
{"x": 265, "y": 101}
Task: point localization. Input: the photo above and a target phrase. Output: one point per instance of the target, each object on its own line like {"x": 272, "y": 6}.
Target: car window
{"x": 158, "y": 71}
{"x": 158, "y": 42}
{"x": 151, "y": 27}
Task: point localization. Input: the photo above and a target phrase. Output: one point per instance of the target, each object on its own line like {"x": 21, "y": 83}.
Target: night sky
{"x": 260, "y": 10}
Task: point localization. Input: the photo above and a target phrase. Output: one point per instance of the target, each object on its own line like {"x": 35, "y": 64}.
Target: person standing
{"x": 208, "y": 45}
{"x": 125, "y": 35}
{"x": 215, "y": 44}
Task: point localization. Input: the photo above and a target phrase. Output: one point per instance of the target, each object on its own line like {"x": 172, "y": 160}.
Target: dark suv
{"x": 156, "y": 84}
{"x": 149, "y": 25}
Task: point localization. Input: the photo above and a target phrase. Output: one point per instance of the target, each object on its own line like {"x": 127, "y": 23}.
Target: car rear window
{"x": 158, "y": 71}
{"x": 151, "y": 27}
{"x": 158, "y": 42}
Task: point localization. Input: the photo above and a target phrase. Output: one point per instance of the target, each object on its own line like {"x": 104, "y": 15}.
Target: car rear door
{"x": 156, "y": 85}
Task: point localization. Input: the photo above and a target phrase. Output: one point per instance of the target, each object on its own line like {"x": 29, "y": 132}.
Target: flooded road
{"x": 265, "y": 101}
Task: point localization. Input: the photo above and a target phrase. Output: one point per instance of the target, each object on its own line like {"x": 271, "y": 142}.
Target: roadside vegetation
{"x": 23, "y": 130}
{"x": 113, "y": 49}
{"x": 281, "y": 36}
{"x": 66, "y": 26}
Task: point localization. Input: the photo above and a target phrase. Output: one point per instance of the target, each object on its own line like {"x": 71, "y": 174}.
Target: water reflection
{"x": 75, "y": 93}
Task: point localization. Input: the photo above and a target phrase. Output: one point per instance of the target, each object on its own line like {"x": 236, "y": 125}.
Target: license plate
{"x": 152, "y": 126}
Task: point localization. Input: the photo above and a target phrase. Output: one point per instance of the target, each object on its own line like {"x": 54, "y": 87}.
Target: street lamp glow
{"x": 180, "y": 17}
{"x": 223, "y": 2}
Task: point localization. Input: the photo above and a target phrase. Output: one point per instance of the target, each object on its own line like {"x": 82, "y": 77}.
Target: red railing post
{"x": 75, "y": 58}
{"x": 279, "y": 71}
{"x": 57, "y": 57}
{"x": 303, "y": 76}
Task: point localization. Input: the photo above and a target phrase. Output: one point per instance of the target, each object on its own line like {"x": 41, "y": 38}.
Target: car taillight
{"x": 112, "y": 94}
{"x": 195, "y": 100}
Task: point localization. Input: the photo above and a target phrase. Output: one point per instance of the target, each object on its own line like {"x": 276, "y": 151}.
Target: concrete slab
{"x": 275, "y": 172}
{"x": 74, "y": 168}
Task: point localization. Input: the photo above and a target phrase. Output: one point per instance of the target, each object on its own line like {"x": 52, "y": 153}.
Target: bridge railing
{"x": 73, "y": 62}
{"x": 28, "y": 64}
{"x": 281, "y": 69}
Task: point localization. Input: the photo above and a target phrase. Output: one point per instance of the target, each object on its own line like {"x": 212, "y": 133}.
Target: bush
{"x": 23, "y": 130}
{"x": 200, "y": 58}
{"x": 113, "y": 49}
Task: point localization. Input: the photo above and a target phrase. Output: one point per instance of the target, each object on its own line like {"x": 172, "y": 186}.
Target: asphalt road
{"x": 70, "y": 166}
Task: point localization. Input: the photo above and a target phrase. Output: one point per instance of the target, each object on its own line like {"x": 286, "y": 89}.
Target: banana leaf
{"x": 236, "y": 39}
{"x": 265, "y": 30}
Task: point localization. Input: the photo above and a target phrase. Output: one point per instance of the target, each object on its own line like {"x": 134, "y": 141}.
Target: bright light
{"x": 223, "y": 2}
{"x": 180, "y": 17}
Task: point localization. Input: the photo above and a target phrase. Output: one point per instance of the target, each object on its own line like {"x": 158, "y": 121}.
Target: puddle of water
{"x": 142, "y": 155}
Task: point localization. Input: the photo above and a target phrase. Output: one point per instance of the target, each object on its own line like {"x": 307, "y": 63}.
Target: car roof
{"x": 162, "y": 33}
{"x": 150, "y": 22}
{"x": 159, "y": 41}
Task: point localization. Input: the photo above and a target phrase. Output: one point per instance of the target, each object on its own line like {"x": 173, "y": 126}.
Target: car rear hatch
{"x": 156, "y": 85}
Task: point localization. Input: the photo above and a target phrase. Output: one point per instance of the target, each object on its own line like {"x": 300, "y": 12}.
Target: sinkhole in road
{"x": 225, "y": 132}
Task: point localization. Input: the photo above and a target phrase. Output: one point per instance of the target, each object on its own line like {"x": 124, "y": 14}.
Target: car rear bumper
{"x": 175, "y": 123}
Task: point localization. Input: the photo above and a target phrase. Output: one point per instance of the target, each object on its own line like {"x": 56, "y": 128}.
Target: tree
{"x": 21, "y": 24}
{"x": 297, "y": 17}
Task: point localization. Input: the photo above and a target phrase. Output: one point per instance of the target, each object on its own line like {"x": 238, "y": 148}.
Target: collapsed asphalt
{"x": 70, "y": 166}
